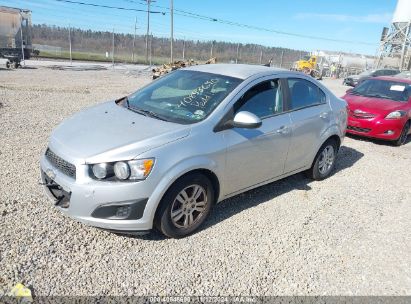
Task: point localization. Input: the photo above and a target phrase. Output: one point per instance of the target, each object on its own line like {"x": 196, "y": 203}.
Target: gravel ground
{"x": 347, "y": 235}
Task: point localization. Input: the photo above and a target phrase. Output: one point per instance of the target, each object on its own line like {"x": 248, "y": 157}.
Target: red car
{"x": 380, "y": 108}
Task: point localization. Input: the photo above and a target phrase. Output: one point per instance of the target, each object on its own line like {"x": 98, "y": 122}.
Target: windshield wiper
{"x": 379, "y": 96}
{"x": 354, "y": 93}
{"x": 146, "y": 113}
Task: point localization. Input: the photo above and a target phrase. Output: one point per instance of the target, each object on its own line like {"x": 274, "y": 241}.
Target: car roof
{"x": 392, "y": 78}
{"x": 242, "y": 71}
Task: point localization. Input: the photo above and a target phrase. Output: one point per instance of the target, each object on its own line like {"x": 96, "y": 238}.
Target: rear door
{"x": 310, "y": 116}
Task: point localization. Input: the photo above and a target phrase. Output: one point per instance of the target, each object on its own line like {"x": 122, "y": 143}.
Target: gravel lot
{"x": 347, "y": 235}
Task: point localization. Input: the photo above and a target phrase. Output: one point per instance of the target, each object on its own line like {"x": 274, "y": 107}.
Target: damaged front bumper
{"x": 113, "y": 206}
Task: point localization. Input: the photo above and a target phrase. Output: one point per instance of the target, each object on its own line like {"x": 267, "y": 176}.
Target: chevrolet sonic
{"x": 164, "y": 155}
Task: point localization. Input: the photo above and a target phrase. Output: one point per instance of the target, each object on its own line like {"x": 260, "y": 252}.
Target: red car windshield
{"x": 386, "y": 89}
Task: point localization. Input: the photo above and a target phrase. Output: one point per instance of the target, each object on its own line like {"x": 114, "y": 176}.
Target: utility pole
{"x": 238, "y": 50}
{"x": 151, "y": 49}
{"x": 21, "y": 37}
{"x": 172, "y": 30}
{"x": 134, "y": 40}
{"x": 212, "y": 49}
{"x": 148, "y": 27}
{"x": 261, "y": 56}
{"x": 71, "y": 59}
{"x": 282, "y": 58}
{"x": 184, "y": 48}
{"x": 112, "y": 50}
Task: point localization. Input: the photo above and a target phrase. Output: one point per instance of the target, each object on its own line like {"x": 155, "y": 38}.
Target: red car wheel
{"x": 404, "y": 134}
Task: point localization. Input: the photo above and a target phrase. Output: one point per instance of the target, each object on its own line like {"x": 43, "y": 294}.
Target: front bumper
{"x": 378, "y": 127}
{"x": 97, "y": 203}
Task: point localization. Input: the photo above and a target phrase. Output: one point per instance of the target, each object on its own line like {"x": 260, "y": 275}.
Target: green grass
{"x": 89, "y": 56}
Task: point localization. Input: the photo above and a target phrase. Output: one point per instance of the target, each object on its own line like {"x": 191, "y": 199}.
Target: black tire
{"x": 8, "y": 64}
{"x": 404, "y": 134}
{"x": 312, "y": 74}
{"x": 316, "y": 171}
{"x": 163, "y": 220}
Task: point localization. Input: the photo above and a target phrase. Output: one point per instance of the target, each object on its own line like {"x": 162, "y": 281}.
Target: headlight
{"x": 123, "y": 170}
{"x": 100, "y": 170}
{"x": 395, "y": 115}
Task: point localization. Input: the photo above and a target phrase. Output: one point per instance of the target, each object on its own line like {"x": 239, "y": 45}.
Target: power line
{"x": 232, "y": 23}
{"x": 111, "y": 7}
{"x": 217, "y": 20}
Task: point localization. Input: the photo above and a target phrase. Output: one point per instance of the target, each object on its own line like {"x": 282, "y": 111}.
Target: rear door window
{"x": 304, "y": 93}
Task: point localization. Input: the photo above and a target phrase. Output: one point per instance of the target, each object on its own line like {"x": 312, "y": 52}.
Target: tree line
{"x": 102, "y": 41}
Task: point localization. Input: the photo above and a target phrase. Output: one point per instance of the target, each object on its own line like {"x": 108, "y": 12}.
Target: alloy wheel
{"x": 326, "y": 159}
{"x": 189, "y": 206}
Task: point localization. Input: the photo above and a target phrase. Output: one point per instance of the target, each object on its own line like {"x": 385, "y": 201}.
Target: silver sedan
{"x": 164, "y": 155}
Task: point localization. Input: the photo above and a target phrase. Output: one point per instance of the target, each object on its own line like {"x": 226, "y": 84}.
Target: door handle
{"x": 324, "y": 115}
{"x": 283, "y": 130}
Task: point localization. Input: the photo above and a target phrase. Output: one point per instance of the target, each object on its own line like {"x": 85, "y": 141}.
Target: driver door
{"x": 254, "y": 156}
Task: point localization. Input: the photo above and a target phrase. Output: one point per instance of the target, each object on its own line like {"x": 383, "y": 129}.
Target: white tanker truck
{"x": 322, "y": 63}
{"x": 345, "y": 62}
{"x": 15, "y": 35}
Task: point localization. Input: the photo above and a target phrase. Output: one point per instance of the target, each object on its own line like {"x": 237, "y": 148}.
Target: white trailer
{"x": 15, "y": 35}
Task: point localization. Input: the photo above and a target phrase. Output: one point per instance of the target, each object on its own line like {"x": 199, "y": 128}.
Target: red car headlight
{"x": 395, "y": 115}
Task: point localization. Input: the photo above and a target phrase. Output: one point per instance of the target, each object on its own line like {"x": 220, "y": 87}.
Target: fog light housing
{"x": 389, "y": 132}
{"x": 123, "y": 211}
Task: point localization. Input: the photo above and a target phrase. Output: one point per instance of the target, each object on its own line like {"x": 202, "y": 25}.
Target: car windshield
{"x": 405, "y": 74}
{"x": 182, "y": 96}
{"x": 384, "y": 89}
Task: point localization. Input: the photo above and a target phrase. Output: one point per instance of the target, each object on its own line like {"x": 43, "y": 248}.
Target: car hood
{"x": 108, "y": 132}
{"x": 372, "y": 104}
{"x": 354, "y": 76}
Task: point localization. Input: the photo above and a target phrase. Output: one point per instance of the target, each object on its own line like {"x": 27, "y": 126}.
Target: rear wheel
{"x": 404, "y": 134}
{"x": 185, "y": 206}
{"x": 324, "y": 161}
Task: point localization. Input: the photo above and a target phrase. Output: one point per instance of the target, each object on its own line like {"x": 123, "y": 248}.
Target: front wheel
{"x": 324, "y": 161}
{"x": 185, "y": 206}
{"x": 404, "y": 134}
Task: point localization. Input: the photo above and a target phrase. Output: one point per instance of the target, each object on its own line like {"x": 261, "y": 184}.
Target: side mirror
{"x": 246, "y": 120}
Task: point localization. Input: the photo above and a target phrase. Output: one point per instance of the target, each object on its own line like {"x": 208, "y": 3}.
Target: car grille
{"x": 362, "y": 115}
{"x": 357, "y": 129}
{"x": 61, "y": 164}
